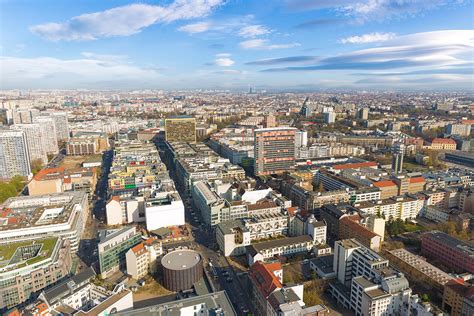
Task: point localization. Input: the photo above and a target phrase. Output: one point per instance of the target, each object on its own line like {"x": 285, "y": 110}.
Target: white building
{"x": 57, "y": 214}
{"x": 14, "y": 154}
{"x": 35, "y": 141}
{"x": 164, "y": 211}
{"x": 284, "y": 246}
{"x": 61, "y": 123}
{"x": 141, "y": 259}
{"x": 48, "y": 130}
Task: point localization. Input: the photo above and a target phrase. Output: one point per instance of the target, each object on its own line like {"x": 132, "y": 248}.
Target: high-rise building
{"x": 35, "y": 140}
{"x": 180, "y": 128}
{"x": 48, "y": 130}
{"x": 14, "y": 157}
{"x": 62, "y": 125}
{"x": 363, "y": 114}
{"x": 301, "y": 139}
{"x": 329, "y": 117}
{"x": 398, "y": 151}
{"x": 274, "y": 150}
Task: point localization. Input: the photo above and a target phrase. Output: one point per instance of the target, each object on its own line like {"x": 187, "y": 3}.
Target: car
{"x": 229, "y": 279}
{"x": 225, "y": 273}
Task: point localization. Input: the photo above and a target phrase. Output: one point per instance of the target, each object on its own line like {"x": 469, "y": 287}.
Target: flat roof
{"x": 181, "y": 259}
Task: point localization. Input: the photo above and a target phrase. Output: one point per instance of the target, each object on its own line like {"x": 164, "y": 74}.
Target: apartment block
{"x": 274, "y": 150}
{"x": 15, "y": 157}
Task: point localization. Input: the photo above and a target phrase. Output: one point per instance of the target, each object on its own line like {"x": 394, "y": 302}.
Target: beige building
{"x": 57, "y": 180}
{"x": 180, "y": 128}
{"x": 443, "y": 144}
{"x": 141, "y": 259}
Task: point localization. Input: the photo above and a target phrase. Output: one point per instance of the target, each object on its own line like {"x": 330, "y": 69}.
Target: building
{"x": 449, "y": 251}
{"x": 61, "y": 123}
{"x": 77, "y": 295}
{"x": 164, "y": 211}
{"x": 418, "y": 269}
{"x": 14, "y": 154}
{"x": 274, "y": 150}
{"x": 57, "y": 180}
{"x": 329, "y": 117}
{"x": 462, "y": 158}
{"x": 82, "y": 147}
{"x": 32, "y": 217}
{"x": 352, "y": 259}
{"x": 180, "y": 129}
{"x": 141, "y": 258}
{"x": 217, "y": 303}
{"x": 181, "y": 269}
{"x": 363, "y": 113}
{"x": 398, "y": 152}
{"x": 279, "y": 247}
{"x": 233, "y": 236}
{"x": 443, "y": 144}
{"x": 269, "y": 296}
{"x": 35, "y": 141}
{"x": 48, "y": 131}
{"x": 28, "y": 267}
{"x": 458, "y": 129}
{"x": 113, "y": 246}
{"x": 387, "y": 189}
{"x": 458, "y": 296}
{"x": 348, "y": 228}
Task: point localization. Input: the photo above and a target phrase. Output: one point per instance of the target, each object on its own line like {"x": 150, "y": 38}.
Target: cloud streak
{"x": 430, "y": 49}
{"x": 124, "y": 20}
{"x": 283, "y": 60}
{"x": 264, "y": 44}
{"x": 368, "y": 38}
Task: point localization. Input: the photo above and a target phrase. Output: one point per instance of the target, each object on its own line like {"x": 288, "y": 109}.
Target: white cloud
{"x": 104, "y": 57}
{"x": 46, "y": 72}
{"x": 265, "y": 45}
{"x": 124, "y": 20}
{"x": 253, "y": 31}
{"x": 195, "y": 27}
{"x": 368, "y": 38}
{"x": 224, "y": 62}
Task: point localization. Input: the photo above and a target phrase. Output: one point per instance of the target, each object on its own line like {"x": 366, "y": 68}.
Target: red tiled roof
{"x": 384, "y": 184}
{"x": 443, "y": 141}
{"x": 417, "y": 180}
{"x": 356, "y": 228}
{"x": 263, "y": 276}
{"x": 467, "y": 122}
{"x": 138, "y": 249}
{"x": 356, "y": 165}
{"x": 44, "y": 172}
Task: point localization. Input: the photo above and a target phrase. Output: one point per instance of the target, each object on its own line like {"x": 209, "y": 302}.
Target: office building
{"x": 180, "y": 129}
{"x": 14, "y": 154}
{"x": 398, "y": 152}
{"x": 113, "y": 246}
{"x": 451, "y": 252}
{"x": 27, "y": 267}
{"x": 274, "y": 150}
{"x": 164, "y": 211}
{"x": 273, "y": 248}
{"x": 35, "y": 141}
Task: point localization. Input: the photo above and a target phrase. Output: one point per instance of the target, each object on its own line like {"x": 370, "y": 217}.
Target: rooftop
{"x": 180, "y": 259}
{"x": 26, "y": 252}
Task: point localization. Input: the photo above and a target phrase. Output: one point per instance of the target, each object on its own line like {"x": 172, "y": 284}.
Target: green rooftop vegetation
{"x": 7, "y": 251}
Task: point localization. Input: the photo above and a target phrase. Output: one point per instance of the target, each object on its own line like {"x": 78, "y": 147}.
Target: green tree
{"x": 36, "y": 166}
{"x": 425, "y": 298}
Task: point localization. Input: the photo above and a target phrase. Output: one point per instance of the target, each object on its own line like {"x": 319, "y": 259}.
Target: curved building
{"x": 181, "y": 269}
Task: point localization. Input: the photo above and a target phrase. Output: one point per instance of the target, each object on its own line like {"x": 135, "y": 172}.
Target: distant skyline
{"x": 233, "y": 44}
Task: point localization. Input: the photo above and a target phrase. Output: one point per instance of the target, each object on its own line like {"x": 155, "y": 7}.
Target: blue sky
{"x": 282, "y": 44}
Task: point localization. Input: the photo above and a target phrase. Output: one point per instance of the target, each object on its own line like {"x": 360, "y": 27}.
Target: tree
{"x": 36, "y": 166}
{"x": 321, "y": 187}
{"x": 425, "y": 298}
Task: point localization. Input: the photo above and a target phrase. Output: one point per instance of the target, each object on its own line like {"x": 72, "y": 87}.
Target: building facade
{"x": 274, "y": 150}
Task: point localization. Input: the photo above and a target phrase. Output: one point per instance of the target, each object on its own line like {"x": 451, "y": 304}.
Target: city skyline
{"x": 189, "y": 44}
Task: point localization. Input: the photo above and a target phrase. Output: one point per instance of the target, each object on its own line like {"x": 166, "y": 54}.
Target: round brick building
{"x": 181, "y": 269}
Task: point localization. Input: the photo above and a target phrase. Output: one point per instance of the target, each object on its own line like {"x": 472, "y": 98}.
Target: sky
{"x": 236, "y": 44}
